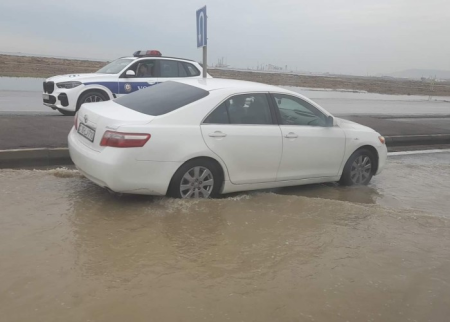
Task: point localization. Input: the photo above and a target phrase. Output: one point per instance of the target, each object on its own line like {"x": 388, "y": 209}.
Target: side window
{"x": 242, "y": 109}
{"x": 144, "y": 68}
{"x": 169, "y": 68}
{"x": 181, "y": 70}
{"x": 219, "y": 115}
{"x": 192, "y": 70}
{"x": 295, "y": 111}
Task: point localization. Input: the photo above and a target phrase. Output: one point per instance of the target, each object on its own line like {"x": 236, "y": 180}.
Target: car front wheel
{"x": 91, "y": 96}
{"x": 359, "y": 168}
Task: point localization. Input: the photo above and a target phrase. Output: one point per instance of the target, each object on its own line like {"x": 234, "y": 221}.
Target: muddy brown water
{"x": 69, "y": 251}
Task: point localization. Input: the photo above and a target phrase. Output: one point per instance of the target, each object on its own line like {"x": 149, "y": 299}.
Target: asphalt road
{"x": 26, "y": 123}
{"x": 30, "y": 102}
{"x": 50, "y": 131}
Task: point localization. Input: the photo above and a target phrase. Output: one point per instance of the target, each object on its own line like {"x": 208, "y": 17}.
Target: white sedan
{"x": 203, "y": 138}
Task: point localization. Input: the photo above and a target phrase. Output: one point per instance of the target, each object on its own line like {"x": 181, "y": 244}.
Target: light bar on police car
{"x": 147, "y": 53}
{"x": 68, "y": 84}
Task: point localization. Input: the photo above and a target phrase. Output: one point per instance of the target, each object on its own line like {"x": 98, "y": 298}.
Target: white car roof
{"x": 211, "y": 84}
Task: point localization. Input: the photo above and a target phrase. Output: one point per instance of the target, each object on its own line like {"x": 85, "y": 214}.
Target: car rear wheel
{"x": 196, "y": 179}
{"x": 359, "y": 168}
{"x": 91, "y": 97}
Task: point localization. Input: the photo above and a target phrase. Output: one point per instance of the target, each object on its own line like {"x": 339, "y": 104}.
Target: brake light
{"x": 382, "y": 139}
{"x": 75, "y": 121}
{"x": 124, "y": 140}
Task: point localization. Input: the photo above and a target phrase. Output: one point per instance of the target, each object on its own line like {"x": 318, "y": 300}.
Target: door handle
{"x": 217, "y": 134}
{"x": 291, "y": 135}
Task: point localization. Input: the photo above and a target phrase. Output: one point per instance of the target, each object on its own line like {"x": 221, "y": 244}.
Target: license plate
{"x": 86, "y": 132}
{"x": 45, "y": 97}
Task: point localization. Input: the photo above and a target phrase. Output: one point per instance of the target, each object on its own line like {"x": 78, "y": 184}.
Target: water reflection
{"x": 333, "y": 191}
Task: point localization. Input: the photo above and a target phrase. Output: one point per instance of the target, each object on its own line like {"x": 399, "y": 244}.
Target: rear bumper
{"x": 119, "y": 171}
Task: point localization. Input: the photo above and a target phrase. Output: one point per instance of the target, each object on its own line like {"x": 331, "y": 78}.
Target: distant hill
{"x": 419, "y": 73}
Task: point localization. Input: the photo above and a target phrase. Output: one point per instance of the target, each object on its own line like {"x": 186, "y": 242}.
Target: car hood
{"x": 349, "y": 125}
{"x": 77, "y": 77}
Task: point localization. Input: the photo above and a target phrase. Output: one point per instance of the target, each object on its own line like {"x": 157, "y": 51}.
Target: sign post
{"x": 202, "y": 36}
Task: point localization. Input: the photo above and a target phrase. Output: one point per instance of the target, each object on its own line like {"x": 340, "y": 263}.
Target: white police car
{"x": 125, "y": 75}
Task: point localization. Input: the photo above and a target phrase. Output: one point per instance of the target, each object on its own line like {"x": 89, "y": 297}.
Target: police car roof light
{"x": 146, "y": 53}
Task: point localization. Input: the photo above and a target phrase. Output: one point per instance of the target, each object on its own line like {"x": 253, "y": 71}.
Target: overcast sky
{"x": 338, "y": 36}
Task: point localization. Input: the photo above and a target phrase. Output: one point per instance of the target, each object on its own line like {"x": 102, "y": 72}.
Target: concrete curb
{"x": 34, "y": 157}
{"x": 60, "y": 156}
{"x": 408, "y": 140}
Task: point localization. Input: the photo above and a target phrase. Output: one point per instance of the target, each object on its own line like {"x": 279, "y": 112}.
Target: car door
{"x": 242, "y": 131}
{"x": 146, "y": 74}
{"x": 311, "y": 149}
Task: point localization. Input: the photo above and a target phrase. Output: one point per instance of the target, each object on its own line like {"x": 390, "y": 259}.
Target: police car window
{"x": 144, "y": 68}
{"x": 181, "y": 71}
{"x": 115, "y": 67}
{"x": 169, "y": 68}
{"x": 193, "y": 71}
{"x": 162, "y": 98}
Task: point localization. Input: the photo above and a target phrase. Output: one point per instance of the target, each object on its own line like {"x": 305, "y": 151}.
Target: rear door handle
{"x": 217, "y": 134}
{"x": 291, "y": 135}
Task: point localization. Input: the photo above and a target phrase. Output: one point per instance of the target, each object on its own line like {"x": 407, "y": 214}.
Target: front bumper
{"x": 118, "y": 169}
{"x": 61, "y": 98}
{"x": 382, "y": 156}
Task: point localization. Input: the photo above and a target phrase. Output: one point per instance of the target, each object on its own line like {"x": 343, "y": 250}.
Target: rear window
{"x": 162, "y": 98}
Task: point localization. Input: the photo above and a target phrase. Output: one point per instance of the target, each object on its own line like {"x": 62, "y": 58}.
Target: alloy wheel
{"x": 93, "y": 99}
{"x": 198, "y": 182}
{"x": 361, "y": 169}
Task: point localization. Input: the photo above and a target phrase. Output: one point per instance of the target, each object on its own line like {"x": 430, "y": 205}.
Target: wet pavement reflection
{"x": 70, "y": 251}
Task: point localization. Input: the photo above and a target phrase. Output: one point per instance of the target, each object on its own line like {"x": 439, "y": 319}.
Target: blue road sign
{"x": 202, "y": 35}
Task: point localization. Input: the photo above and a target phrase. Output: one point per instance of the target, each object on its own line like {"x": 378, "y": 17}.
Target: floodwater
{"x": 72, "y": 252}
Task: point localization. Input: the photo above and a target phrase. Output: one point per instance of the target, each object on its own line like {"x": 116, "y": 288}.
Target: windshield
{"x": 115, "y": 67}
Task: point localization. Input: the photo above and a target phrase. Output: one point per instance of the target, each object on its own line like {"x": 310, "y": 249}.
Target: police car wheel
{"x": 91, "y": 97}
{"x": 66, "y": 113}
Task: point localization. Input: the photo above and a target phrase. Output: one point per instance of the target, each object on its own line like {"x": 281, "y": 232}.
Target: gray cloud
{"x": 341, "y": 36}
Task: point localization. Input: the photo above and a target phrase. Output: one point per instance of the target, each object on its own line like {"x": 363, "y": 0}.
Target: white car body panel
{"x": 252, "y": 153}
{"x": 251, "y": 156}
{"x": 311, "y": 152}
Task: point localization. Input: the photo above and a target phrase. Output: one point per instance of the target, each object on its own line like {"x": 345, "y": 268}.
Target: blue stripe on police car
{"x": 123, "y": 87}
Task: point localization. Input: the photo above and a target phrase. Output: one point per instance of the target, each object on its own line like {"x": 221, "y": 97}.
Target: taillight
{"x": 124, "y": 140}
{"x": 75, "y": 121}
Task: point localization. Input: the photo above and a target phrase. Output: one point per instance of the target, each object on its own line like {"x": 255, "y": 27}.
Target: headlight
{"x": 68, "y": 84}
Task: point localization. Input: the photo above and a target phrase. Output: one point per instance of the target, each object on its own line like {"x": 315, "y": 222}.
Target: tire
{"x": 66, "y": 113}
{"x": 359, "y": 168}
{"x": 91, "y": 97}
{"x": 197, "y": 169}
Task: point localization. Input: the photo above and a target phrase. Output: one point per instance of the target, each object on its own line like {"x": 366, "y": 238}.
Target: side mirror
{"x": 130, "y": 73}
{"x": 330, "y": 121}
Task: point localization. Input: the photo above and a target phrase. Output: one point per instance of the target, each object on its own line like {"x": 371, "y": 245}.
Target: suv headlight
{"x": 68, "y": 84}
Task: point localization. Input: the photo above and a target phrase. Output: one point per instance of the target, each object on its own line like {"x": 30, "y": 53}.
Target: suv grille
{"x": 49, "y": 87}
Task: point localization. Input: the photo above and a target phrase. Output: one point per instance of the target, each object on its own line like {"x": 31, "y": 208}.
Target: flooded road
{"x": 71, "y": 252}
